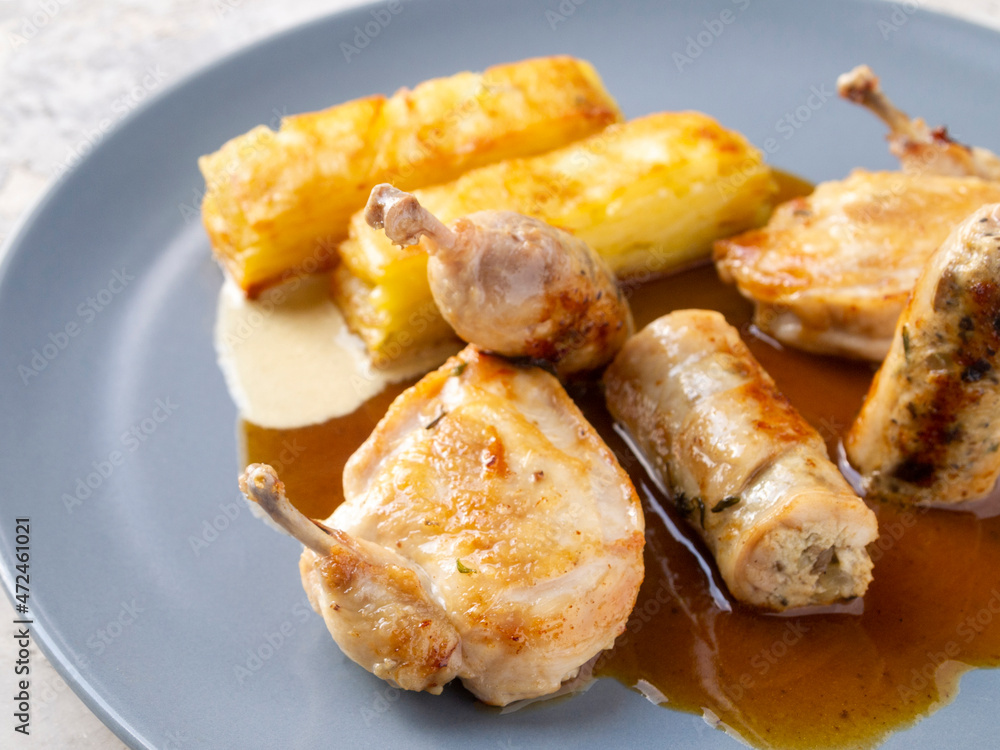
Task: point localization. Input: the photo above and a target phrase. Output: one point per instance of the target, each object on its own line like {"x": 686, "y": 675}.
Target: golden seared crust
{"x": 928, "y": 432}
{"x": 447, "y": 126}
{"x": 376, "y": 604}
{"x": 749, "y": 473}
{"x": 380, "y": 613}
{"x": 279, "y": 202}
{"x": 831, "y": 271}
{"x": 489, "y": 479}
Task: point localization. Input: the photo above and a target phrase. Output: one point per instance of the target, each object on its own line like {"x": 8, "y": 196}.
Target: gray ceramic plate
{"x": 151, "y": 632}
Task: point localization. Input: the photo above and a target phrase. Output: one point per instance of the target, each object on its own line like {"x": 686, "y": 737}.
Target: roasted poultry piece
{"x": 751, "y": 475}
{"x": 513, "y": 285}
{"x": 919, "y": 148}
{"x": 929, "y": 430}
{"x": 487, "y": 533}
{"x": 831, "y": 272}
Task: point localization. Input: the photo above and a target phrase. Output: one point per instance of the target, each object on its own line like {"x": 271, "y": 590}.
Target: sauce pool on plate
{"x": 841, "y": 678}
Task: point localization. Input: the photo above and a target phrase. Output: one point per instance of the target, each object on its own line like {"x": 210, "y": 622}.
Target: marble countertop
{"x": 69, "y": 69}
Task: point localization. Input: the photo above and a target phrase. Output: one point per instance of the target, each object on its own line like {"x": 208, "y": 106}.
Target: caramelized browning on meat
{"x": 751, "y": 475}
{"x": 919, "y": 148}
{"x": 483, "y": 503}
{"x": 513, "y": 284}
{"x": 929, "y": 430}
{"x": 831, "y": 272}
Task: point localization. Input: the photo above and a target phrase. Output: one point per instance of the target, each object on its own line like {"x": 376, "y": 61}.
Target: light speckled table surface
{"x": 69, "y": 71}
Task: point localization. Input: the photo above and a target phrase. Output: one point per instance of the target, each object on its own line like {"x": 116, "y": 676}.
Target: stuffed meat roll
{"x": 750, "y": 474}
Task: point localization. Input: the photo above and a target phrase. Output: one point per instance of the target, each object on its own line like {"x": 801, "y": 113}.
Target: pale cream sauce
{"x": 289, "y": 359}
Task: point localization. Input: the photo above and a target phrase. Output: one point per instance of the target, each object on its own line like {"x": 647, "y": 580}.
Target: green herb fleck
{"x": 458, "y": 369}
{"x": 686, "y": 506}
{"x": 906, "y": 342}
{"x": 729, "y": 502}
{"x": 438, "y": 418}
{"x": 462, "y": 568}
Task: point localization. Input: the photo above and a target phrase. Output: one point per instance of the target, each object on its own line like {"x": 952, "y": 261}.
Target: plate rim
{"x": 16, "y": 244}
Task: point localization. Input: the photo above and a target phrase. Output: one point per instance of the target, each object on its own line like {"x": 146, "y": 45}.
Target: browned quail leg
{"x": 512, "y": 284}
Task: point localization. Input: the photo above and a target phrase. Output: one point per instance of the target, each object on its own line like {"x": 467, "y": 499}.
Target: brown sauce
{"x": 822, "y": 680}
{"x": 310, "y": 460}
{"x": 842, "y": 679}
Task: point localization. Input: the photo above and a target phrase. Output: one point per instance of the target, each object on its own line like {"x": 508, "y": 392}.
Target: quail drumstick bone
{"x": 920, "y": 148}
{"x": 260, "y": 484}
